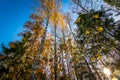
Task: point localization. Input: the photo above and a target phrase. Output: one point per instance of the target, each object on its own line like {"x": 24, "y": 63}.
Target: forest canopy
{"x": 55, "y": 45}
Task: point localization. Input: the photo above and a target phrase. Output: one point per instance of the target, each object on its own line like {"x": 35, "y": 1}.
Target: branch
{"x": 83, "y": 9}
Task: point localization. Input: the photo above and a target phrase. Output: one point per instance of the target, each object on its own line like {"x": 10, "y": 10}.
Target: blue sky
{"x": 13, "y": 15}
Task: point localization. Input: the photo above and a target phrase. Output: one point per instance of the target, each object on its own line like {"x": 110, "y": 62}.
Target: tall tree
{"x": 46, "y": 9}
{"x": 57, "y": 19}
{"x": 94, "y": 30}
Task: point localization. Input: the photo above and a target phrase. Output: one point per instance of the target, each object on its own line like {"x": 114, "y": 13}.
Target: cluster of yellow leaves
{"x": 52, "y": 10}
{"x": 57, "y": 19}
{"x": 100, "y": 28}
{"x": 96, "y": 16}
{"x": 49, "y": 7}
{"x": 38, "y": 31}
{"x": 45, "y": 54}
{"x": 99, "y": 56}
{"x": 93, "y": 59}
{"x": 78, "y": 20}
{"x": 87, "y": 32}
{"x": 49, "y": 4}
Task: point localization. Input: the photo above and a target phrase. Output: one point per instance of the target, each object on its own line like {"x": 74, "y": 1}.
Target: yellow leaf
{"x": 96, "y": 16}
{"x": 92, "y": 59}
{"x": 99, "y": 57}
{"x": 78, "y": 20}
{"x": 100, "y": 28}
{"x": 87, "y": 32}
{"x": 45, "y": 54}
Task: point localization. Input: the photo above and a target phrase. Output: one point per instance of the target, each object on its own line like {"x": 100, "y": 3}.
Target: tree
{"x": 56, "y": 19}
{"x": 94, "y": 35}
{"x": 12, "y": 55}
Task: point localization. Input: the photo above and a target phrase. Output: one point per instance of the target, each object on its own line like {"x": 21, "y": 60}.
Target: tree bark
{"x": 55, "y": 55}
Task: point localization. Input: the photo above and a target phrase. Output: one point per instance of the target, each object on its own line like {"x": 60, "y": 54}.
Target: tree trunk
{"x": 55, "y": 55}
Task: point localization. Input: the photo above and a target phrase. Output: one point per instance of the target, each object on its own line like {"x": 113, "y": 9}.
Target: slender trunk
{"x": 68, "y": 68}
{"x": 76, "y": 41}
{"x": 66, "y": 54}
{"x": 89, "y": 69}
{"x": 62, "y": 58}
{"x": 64, "y": 51}
{"x": 55, "y": 55}
{"x": 36, "y": 62}
{"x": 63, "y": 62}
{"x": 43, "y": 40}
